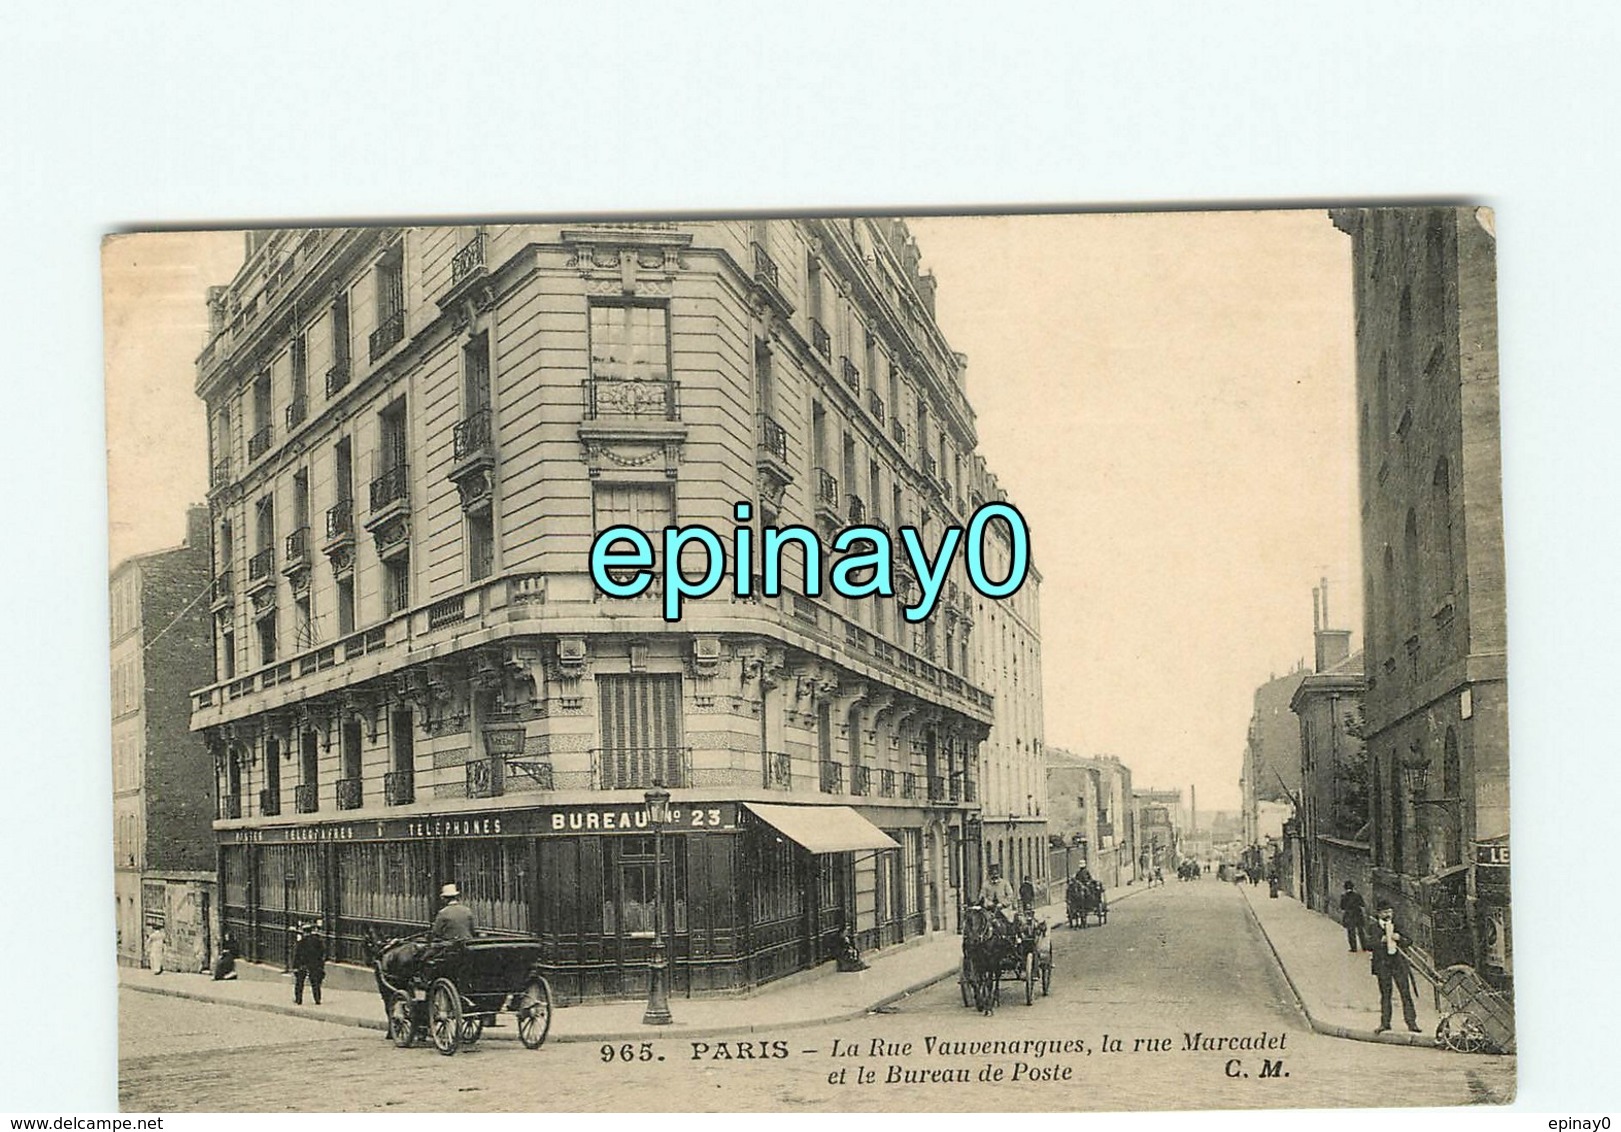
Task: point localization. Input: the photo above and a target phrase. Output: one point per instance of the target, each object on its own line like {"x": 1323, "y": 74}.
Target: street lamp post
{"x": 658, "y": 983}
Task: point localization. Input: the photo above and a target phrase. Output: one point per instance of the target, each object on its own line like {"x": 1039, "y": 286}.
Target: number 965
{"x": 640, "y": 1051}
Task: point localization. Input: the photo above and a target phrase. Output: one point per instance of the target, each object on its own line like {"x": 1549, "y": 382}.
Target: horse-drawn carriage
{"x": 993, "y": 947}
{"x": 448, "y": 992}
{"x": 1084, "y": 898}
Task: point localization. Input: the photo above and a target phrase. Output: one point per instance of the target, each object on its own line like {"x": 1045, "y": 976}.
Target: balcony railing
{"x": 897, "y": 433}
{"x": 307, "y": 798}
{"x": 909, "y": 784}
{"x": 468, "y": 260}
{"x": 773, "y": 439}
{"x": 779, "y": 771}
{"x": 269, "y": 803}
{"x": 765, "y": 268}
{"x": 336, "y": 378}
{"x": 827, "y": 489}
{"x": 832, "y": 778}
{"x": 388, "y": 332}
{"x": 296, "y": 412}
{"x": 340, "y": 519}
{"x": 222, "y": 587}
{"x": 472, "y": 435}
{"x": 231, "y": 807}
{"x": 298, "y": 546}
{"x": 261, "y": 565}
{"x": 850, "y": 374}
{"x": 486, "y": 777}
{"x": 875, "y": 405}
{"x": 390, "y": 487}
{"x": 637, "y": 768}
{"x": 861, "y": 780}
{"x": 399, "y": 788}
{"x": 637, "y": 399}
{"x": 259, "y": 443}
{"x": 349, "y": 794}
{"x": 886, "y": 783}
{"x": 821, "y": 340}
{"x": 856, "y": 507}
{"x": 220, "y": 474}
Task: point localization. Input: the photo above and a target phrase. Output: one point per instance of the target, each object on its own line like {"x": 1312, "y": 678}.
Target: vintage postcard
{"x": 943, "y": 663}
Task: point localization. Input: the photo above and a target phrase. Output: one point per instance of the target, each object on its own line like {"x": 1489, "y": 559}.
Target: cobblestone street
{"x": 1179, "y": 960}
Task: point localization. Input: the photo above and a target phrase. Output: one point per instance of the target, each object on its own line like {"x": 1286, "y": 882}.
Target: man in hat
{"x": 1354, "y": 915}
{"x": 1392, "y": 968}
{"x": 455, "y": 920}
{"x": 309, "y": 962}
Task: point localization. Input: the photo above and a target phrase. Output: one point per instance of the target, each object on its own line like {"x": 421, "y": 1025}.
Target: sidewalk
{"x": 805, "y": 999}
{"x": 808, "y": 998}
{"x": 1335, "y": 987}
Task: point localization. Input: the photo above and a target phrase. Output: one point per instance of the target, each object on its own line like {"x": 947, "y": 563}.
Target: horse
{"x": 988, "y": 944}
{"x": 394, "y": 963}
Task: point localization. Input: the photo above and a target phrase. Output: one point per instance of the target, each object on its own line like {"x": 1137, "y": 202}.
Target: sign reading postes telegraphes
{"x": 701, "y": 817}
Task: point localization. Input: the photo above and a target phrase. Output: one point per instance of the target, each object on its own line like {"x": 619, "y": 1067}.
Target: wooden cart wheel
{"x": 472, "y": 1029}
{"x": 445, "y": 1016}
{"x": 1047, "y": 971}
{"x": 402, "y": 1021}
{"x": 535, "y": 1013}
{"x": 1030, "y": 977}
{"x": 965, "y": 981}
{"x": 1461, "y": 1032}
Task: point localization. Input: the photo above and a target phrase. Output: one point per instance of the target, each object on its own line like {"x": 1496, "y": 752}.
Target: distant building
{"x": 1092, "y": 814}
{"x": 1159, "y": 834}
{"x": 163, "y": 799}
{"x": 1432, "y": 548}
{"x": 1271, "y": 752}
{"x": 1333, "y": 819}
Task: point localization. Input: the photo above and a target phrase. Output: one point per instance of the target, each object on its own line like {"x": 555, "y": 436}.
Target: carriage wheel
{"x": 965, "y": 981}
{"x": 445, "y": 1016}
{"x": 1047, "y": 971}
{"x": 535, "y": 1013}
{"x": 402, "y": 1027}
{"x": 472, "y": 1029}
{"x": 1461, "y": 1032}
{"x": 1030, "y": 977}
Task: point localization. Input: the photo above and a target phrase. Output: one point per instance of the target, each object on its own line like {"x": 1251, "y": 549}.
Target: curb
{"x": 1331, "y": 1029}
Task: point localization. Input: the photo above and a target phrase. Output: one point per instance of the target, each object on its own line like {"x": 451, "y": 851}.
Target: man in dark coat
{"x": 1393, "y": 969}
{"x": 309, "y": 962}
{"x": 225, "y": 965}
{"x": 1354, "y": 915}
{"x": 455, "y": 919}
{"x": 1027, "y": 894}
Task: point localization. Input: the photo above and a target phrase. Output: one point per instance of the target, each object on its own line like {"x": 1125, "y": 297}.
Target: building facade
{"x": 163, "y": 801}
{"x": 1159, "y": 829}
{"x": 1090, "y": 803}
{"x": 1271, "y": 771}
{"x": 1432, "y": 545}
{"x": 416, "y": 434}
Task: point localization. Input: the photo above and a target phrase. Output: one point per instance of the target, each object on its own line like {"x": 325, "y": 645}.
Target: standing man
{"x": 1027, "y": 894}
{"x": 1354, "y": 915}
{"x": 455, "y": 919}
{"x": 1391, "y": 967}
{"x": 309, "y": 962}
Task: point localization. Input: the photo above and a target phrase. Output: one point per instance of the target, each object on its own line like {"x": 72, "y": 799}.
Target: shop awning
{"x": 823, "y": 829}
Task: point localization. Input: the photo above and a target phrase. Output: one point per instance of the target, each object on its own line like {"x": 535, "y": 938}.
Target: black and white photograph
{"x": 1041, "y": 661}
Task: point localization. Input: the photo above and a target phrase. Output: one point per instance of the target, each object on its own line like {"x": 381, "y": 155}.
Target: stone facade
{"x": 1432, "y": 542}
{"x": 1332, "y": 817}
{"x": 416, "y": 434}
{"x": 1091, "y": 798}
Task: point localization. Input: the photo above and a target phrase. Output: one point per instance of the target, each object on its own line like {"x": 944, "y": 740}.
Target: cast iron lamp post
{"x": 658, "y": 984}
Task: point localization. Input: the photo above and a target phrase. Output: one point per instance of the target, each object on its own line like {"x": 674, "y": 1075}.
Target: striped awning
{"x": 823, "y": 829}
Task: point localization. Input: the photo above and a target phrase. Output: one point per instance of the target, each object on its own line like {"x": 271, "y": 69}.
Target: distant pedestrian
{"x": 309, "y": 963}
{"x": 225, "y": 963}
{"x": 1354, "y": 915}
{"x": 1027, "y": 894}
{"x": 1393, "y": 969}
{"x": 156, "y": 944}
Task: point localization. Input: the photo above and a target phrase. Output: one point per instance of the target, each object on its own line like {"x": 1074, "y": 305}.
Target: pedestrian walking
{"x": 1027, "y": 894}
{"x": 1393, "y": 970}
{"x": 1354, "y": 915}
{"x": 309, "y": 963}
{"x": 156, "y": 944}
{"x": 225, "y": 963}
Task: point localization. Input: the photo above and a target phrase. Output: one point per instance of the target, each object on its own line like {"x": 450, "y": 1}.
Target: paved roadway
{"x": 1172, "y": 961}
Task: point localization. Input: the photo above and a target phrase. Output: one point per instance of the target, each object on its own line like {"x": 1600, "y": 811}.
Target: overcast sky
{"x": 1167, "y": 397}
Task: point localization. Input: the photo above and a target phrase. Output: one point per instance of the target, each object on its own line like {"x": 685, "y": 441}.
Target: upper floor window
{"x": 630, "y": 342}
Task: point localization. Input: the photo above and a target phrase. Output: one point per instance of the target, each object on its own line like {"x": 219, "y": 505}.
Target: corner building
{"x": 416, "y": 434}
